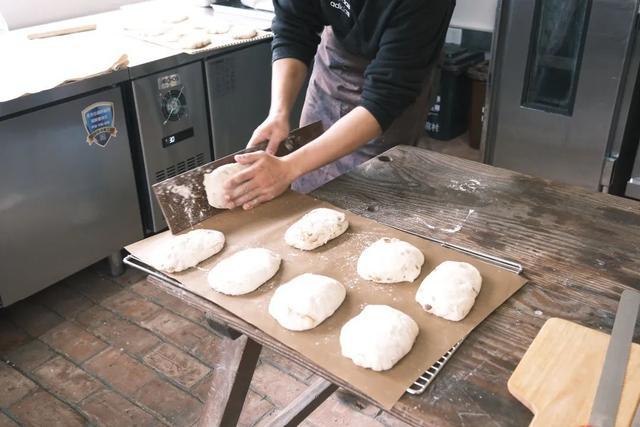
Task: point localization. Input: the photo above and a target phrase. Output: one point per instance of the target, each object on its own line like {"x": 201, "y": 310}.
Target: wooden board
{"x": 558, "y": 376}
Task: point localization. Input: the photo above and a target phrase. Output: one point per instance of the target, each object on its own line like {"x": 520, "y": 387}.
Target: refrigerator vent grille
{"x": 180, "y": 167}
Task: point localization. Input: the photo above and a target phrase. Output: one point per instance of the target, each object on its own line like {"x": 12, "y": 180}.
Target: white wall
{"x": 471, "y": 14}
{"x": 25, "y": 13}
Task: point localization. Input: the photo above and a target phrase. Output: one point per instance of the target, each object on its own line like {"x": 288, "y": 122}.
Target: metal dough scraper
{"x": 183, "y": 200}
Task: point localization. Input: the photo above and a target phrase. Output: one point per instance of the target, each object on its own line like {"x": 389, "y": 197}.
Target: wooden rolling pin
{"x": 62, "y": 32}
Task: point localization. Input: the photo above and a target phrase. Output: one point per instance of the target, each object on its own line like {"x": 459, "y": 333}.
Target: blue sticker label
{"x": 99, "y": 123}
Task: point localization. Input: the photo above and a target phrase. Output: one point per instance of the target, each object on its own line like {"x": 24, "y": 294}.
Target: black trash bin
{"x": 449, "y": 116}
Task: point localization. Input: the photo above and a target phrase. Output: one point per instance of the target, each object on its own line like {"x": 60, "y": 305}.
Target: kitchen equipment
{"x": 62, "y": 32}
{"x": 183, "y": 199}
{"x": 68, "y": 194}
{"x": 265, "y": 225}
{"x": 558, "y": 375}
{"x": 562, "y": 84}
{"x": 605, "y": 404}
{"x": 633, "y": 184}
{"x": 172, "y": 132}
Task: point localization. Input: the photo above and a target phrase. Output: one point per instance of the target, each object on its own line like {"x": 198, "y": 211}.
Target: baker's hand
{"x": 266, "y": 177}
{"x": 274, "y": 129}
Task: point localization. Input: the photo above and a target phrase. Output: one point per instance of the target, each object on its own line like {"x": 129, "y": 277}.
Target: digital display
{"x": 170, "y": 140}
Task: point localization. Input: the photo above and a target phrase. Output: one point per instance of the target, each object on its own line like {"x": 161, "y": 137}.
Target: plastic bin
{"x": 478, "y": 75}
{"x": 449, "y": 116}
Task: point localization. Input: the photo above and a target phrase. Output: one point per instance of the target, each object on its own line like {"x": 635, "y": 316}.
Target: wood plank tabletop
{"x": 578, "y": 249}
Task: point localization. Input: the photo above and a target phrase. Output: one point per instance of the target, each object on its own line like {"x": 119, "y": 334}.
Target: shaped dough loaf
{"x": 306, "y": 301}
{"x": 187, "y": 250}
{"x": 243, "y": 33}
{"x": 316, "y": 228}
{"x": 244, "y": 271}
{"x": 450, "y": 290}
{"x": 378, "y": 337}
{"x": 214, "y": 182}
{"x": 390, "y": 260}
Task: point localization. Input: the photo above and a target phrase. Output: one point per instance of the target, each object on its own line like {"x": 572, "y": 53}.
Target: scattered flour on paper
{"x": 468, "y": 186}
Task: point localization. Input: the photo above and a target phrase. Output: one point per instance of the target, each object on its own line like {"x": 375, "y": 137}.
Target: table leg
{"x": 230, "y": 384}
{"x": 302, "y": 406}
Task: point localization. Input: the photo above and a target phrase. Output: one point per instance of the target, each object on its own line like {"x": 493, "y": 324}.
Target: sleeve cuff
{"x": 281, "y": 52}
{"x": 380, "y": 114}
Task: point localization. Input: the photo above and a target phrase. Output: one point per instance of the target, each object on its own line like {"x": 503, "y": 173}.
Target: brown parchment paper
{"x": 265, "y": 227}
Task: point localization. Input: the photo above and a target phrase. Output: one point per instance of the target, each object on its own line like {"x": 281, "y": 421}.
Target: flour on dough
{"x": 218, "y": 28}
{"x": 195, "y": 41}
{"x": 214, "y": 183}
{"x": 390, "y": 260}
{"x": 378, "y": 337}
{"x": 450, "y": 290}
{"x": 244, "y": 271}
{"x": 243, "y": 33}
{"x": 316, "y": 228}
{"x": 306, "y": 301}
{"x": 187, "y": 250}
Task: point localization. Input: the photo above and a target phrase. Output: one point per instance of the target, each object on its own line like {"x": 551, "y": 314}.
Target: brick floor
{"x": 120, "y": 351}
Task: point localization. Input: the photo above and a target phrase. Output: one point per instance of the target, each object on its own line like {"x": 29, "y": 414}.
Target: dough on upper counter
{"x": 187, "y": 250}
{"x": 316, "y": 228}
{"x": 306, "y": 301}
{"x": 390, "y": 260}
{"x": 243, "y": 33}
{"x": 450, "y": 290}
{"x": 214, "y": 182}
{"x": 378, "y": 337}
{"x": 244, "y": 271}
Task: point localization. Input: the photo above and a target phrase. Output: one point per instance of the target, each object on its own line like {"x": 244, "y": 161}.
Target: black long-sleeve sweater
{"x": 402, "y": 38}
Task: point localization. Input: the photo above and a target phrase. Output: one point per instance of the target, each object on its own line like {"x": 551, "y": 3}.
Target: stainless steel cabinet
{"x": 239, "y": 92}
{"x": 558, "y": 71}
{"x": 64, "y": 204}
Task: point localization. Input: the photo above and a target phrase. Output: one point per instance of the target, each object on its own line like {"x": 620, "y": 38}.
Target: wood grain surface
{"x": 579, "y": 250}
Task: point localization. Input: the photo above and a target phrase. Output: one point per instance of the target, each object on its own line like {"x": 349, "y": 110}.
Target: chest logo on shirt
{"x": 99, "y": 123}
{"x": 343, "y": 6}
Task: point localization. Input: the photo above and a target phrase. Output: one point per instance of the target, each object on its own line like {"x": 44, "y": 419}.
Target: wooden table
{"x": 579, "y": 250}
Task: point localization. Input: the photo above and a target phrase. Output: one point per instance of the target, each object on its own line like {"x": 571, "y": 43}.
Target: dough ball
{"x": 244, "y": 271}
{"x": 378, "y": 337}
{"x": 390, "y": 260}
{"x": 214, "y": 182}
{"x": 316, "y": 228}
{"x": 195, "y": 41}
{"x": 243, "y": 33}
{"x": 187, "y": 250}
{"x": 219, "y": 28}
{"x": 450, "y": 290}
{"x": 175, "y": 18}
{"x": 306, "y": 301}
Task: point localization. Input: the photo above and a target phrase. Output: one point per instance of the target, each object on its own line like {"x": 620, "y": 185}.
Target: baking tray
{"x": 264, "y": 226}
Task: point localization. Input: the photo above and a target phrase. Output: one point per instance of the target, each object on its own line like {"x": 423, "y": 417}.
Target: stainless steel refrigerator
{"x": 562, "y": 91}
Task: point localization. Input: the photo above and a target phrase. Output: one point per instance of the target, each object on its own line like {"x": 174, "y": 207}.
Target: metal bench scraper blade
{"x": 609, "y": 392}
{"x": 183, "y": 200}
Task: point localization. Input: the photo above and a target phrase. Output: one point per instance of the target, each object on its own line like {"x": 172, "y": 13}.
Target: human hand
{"x": 266, "y": 177}
{"x": 274, "y": 129}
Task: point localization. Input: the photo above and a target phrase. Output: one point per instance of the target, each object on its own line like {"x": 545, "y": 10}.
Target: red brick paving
{"x": 66, "y": 380}
{"x": 35, "y": 319}
{"x": 30, "y": 355}
{"x": 177, "y": 365}
{"x": 6, "y": 421}
{"x": 131, "y": 306}
{"x": 109, "y": 408}
{"x": 116, "y": 331}
{"x": 13, "y": 386}
{"x": 176, "y": 406}
{"x": 42, "y": 409}
{"x": 129, "y": 353}
{"x": 120, "y": 370}
{"x": 71, "y": 340}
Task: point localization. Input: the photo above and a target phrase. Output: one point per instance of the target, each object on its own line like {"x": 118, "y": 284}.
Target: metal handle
{"x": 136, "y": 263}
{"x": 505, "y": 264}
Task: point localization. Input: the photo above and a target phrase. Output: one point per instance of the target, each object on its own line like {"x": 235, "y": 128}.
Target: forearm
{"x": 345, "y": 136}
{"x": 288, "y": 74}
